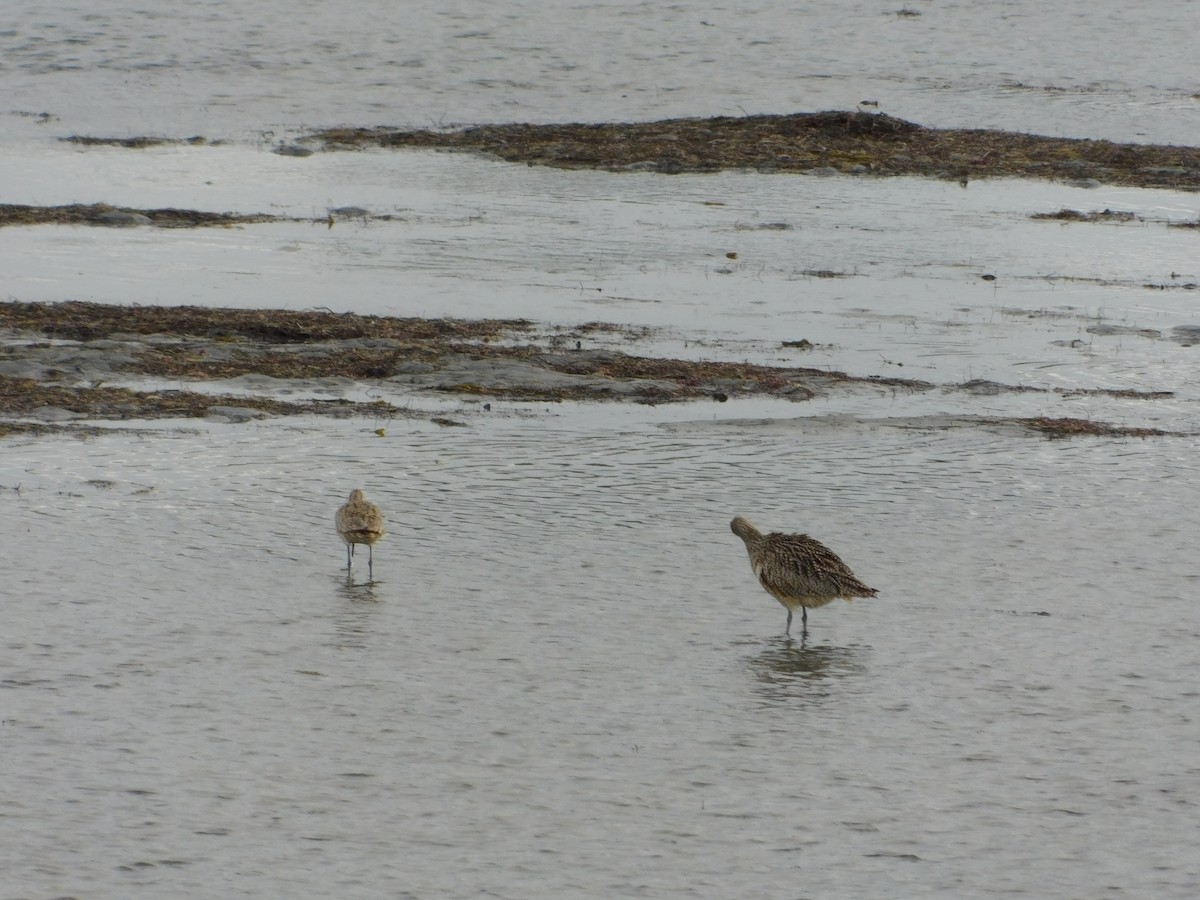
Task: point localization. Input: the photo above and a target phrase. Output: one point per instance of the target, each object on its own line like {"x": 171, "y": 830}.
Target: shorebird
{"x": 360, "y": 522}
{"x": 798, "y": 570}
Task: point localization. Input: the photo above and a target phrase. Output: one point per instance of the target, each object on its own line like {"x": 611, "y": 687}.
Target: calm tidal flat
{"x": 564, "y": 680}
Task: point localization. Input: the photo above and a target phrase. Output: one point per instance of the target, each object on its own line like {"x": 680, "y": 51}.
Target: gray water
{"x": 1103, "y": 69}
{"x": 565, "y": 681}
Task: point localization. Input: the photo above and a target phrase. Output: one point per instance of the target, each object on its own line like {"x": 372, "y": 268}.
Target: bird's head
{"x": 744, "y": 529}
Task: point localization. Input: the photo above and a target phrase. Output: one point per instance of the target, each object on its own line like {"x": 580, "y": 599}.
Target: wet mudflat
{"x": 282, "y": 352}
{"x": 849, "y": 142}
{"x": 564, "y": 680}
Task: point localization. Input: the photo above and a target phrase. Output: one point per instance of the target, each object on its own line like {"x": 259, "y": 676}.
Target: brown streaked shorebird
{"x": 798, "y": 570}
{"x": 360, "y": 522}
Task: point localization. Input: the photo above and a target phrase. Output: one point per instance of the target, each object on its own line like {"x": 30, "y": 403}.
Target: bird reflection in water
{"x": 349, "y": 589}
{"x": 352, "y": 619}
{"x": 789, "y": 670}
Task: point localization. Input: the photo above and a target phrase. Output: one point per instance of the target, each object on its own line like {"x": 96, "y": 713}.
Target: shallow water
{"x": 565, "y": 680}
{"x": 1101, "y": 69}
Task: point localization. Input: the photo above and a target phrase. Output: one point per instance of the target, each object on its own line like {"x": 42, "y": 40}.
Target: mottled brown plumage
{"x": 360, "y": 522}
{"x": 798, "y": 570}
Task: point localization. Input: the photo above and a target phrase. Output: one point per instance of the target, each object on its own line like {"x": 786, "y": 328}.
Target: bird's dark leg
{"x": 349, "y": 557}
{"x": 370, "y": 562}
{"x": 788, "y": 629}
{"x": 804, "y": 620}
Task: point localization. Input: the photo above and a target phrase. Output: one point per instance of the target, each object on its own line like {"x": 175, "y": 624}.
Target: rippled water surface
{"x": 565, "y": 680}
{"x": 227, "y": 70}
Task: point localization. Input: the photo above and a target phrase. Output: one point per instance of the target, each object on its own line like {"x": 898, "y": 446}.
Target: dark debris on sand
{"x": 135, "y": 143}
{"x": 22, "y": 396}
{"x": 845, "y": 142}
{"x": 118, "y": 216}
{"x": 1067, "y": 428}
{"x": 80, "y": 321}
{"x": 849, "y": 142}
{"x": 226, "y": 343}
{"x": 453, "y": 356}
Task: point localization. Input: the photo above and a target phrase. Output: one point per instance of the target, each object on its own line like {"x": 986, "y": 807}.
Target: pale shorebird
{"x": 798, "y": 570}
{"x": 360, "y": 522}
